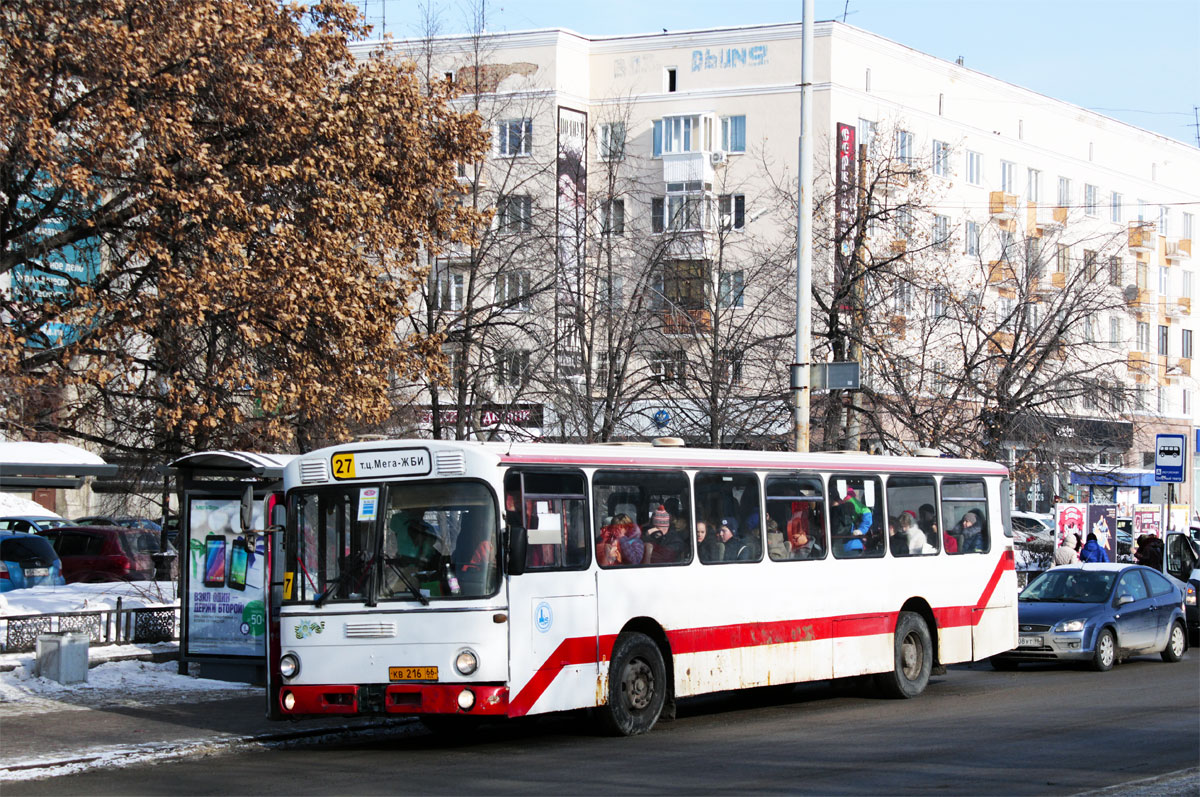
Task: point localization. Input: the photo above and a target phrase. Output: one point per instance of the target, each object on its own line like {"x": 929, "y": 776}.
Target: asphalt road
{"x": 1040, "y": 730}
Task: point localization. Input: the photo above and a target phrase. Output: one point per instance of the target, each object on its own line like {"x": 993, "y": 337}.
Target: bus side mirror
{"x": 518, "y": 542}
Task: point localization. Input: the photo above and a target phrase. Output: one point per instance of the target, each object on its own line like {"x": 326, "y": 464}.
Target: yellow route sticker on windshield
{"x": 288, "y": 578}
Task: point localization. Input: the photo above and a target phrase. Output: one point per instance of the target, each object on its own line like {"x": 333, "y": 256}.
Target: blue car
{"x": 27, "y": 560}
{"x": 31, "y": 523}
{"x": 1098, "y": 614}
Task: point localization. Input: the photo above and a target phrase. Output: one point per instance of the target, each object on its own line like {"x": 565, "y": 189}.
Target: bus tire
{"x": 913, "y": 659}
{"x": 637, "y": 686}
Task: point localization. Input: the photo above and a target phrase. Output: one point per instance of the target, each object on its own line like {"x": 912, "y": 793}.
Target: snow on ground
{"x": 127, "y": 683}
{"x": 84, "y": 597}
{"x": 16, "y": 505}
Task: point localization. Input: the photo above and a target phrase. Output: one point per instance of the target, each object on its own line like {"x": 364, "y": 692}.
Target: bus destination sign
{"x": 382, "y": 463}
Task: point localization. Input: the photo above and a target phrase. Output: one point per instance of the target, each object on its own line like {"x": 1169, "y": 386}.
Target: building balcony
{"x": 1142, "y": 237}
{"x": 688, "y": 167}
{"x": 1174, "y": 308}
{"x": 897, "y": 325}
{"x": 898, "y": 247}
{"x": 1001, "y": 271}
{"x": 1178, "y": 367}
{"x": 1048, "y": 218}
{"x": 1000, "y": 342}
{"x": 1135, "y": 298}
{"x": 1179, "y": 249}
{"x": 1140, "y": 362}
{"x": 894, "y": 180}
{"x": 686, "y": 322}
{"x": 1002, "y": 206}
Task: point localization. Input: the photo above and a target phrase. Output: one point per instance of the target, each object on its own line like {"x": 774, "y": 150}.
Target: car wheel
{"x": 1176, "y": 643}
{"x": 637, "y": 686}
{"x": 913, "y": 659}
{"x": 1002, "y": 664}
{"x": 1105, "y": 654}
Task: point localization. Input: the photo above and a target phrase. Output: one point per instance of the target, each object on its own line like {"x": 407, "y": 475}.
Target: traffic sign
{"x": 1170, "y": 456}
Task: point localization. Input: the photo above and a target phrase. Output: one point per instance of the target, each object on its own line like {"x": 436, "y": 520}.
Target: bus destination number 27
{"x": 381, "y": 463}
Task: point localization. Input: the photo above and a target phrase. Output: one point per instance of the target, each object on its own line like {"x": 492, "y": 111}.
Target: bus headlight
{"x": 289, "y": 665}
{"x": 466, "y": 700}
{"x": 466, "y": 662}
{"x": 289, "y": 701}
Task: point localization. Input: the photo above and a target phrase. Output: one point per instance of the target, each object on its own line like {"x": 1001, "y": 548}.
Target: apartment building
{"x": 638, "y": 276}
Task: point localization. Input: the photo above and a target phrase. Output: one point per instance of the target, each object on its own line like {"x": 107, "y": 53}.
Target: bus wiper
{"x": 413, "y": 588}
{"x": 356, "y": 563}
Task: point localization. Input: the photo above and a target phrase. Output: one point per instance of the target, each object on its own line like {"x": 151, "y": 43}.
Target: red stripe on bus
{"x": 585, "y": 650}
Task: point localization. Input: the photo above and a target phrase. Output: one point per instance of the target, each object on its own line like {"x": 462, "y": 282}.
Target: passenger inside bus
{"x": 708, "y": 546}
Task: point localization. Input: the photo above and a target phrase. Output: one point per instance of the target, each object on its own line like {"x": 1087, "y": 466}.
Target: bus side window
{"x": 909, "y": 498}
{"x": 555, "y": 518}
{"x": 642, "y": 517}
{"x": 729, "y": 505}
{"x": 795, "y": 517}
{"x": 964, "y": 511}
{"x": 857, "y": 526}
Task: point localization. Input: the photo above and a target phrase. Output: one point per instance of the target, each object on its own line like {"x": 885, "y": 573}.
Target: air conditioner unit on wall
{"x": 718, "y": 156}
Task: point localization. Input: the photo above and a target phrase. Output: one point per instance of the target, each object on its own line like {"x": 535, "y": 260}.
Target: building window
{"x": 614, "y": 291}
{"x": 941, "y": 231}
{"x": 1115, "y": 336}
{"x": 1143, "y": 337}
{"x": 1091, "y": 200}
{"x": 1117, "y": 203}
{"x": 448, "y": 288}
{"x": 515, "y": 213}
{"x": 732, "y": 285}
{"x": 904, "y": 146}
{"x": 612, "y": 217}
{"x": 670, "y": 78}
{"x": 612, "y": 141}
{"x": 941, "y": 159}
{"x": 1064, "y": 192}
{"x": 729, "y": 367}
{"x": 685, "y": 211}
{"x": 1033, "y": 257}
{"x": 1062, "y": 259}
{"x": 866, "y": 136}
{"x": 1008, "y": 177}
{"x": 512, "y": 290}
{"x": 514, "y": 137}
{"x": 657, "y": 214}
{"x": 512, "y": 368}
{"x": 903, "y": 298}
{"x": 938, "y": 303}
{"x": 1164, "y": 220}
{"x": 669, "y": 367}
{"x": 682, "y": 134}
{"x": 1143, "y": 276}
{"x": 1091, "y": 265}
{"x": 1006, "y": 310}
{"x": 732, "y": 209}
{"x": 1187, "y": 403}
{"x": 1143, "y": 210}
{"x": 1186, "y": 232}
{"x": 974, "y": 168}
{"x": 1163, "y": 340}
{"x": 1185, "y": 346}
{"x": 1089, "y": 328}
{"x": 1185, "y": 290}
{"x": 1033, "y": 185}
{"x": 972, "y": 238}
{"x": 682, "y": 285}
{"x": 1116, "y": 271}
{"x": 1163, "y": 281}
{"x": 733, "y": 133}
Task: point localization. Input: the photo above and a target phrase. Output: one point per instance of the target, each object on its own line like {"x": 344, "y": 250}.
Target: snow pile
{"x": 125, "y": 683}
{"x": 49, "y": 599}
{"x": 16, "y": 505}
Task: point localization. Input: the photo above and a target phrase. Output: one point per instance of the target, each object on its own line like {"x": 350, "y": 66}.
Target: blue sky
{"x": 1135, "y": 60}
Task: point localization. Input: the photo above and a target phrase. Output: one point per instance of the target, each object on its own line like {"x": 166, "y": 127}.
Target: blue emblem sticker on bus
{"x": 543, "y": 618}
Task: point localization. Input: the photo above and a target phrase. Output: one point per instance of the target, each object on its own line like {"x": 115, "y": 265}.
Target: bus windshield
{"x": 424, "y": 541}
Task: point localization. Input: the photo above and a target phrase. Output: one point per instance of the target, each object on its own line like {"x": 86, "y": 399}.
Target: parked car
{"x": 1033, "y": 528}
{"x": 105, "y": 553}
{"x": 27, "y": 560}
{"x": 32, "y": 523}
{"x": 1098, "y": 613}
{"x": 128, "y": 522}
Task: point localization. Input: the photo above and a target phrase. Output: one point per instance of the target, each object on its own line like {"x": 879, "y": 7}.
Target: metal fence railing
{"x": 115, "y": 626}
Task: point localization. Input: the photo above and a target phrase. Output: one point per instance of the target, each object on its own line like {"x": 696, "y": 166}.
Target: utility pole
{"x": 800, "y": 368}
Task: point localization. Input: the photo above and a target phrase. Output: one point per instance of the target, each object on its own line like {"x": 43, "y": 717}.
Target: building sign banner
{"x": 225, "y": 578}
{"x": 845, "y": 200}
{"x": 523, "y": 415}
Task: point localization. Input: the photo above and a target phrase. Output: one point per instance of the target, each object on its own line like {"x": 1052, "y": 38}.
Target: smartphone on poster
{"x": 214, "y": 560}
{"x": 239, "y": 559}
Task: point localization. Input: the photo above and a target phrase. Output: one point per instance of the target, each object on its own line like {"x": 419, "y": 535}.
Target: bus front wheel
{"x": 637, "y": 686}
{"x": 913, "y": 658}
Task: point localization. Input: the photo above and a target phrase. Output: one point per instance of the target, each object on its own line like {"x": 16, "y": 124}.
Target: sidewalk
{"x": 135, "y": 710}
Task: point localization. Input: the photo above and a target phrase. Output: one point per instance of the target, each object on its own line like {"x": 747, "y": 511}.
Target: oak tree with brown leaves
{"x": 209, "y": 216}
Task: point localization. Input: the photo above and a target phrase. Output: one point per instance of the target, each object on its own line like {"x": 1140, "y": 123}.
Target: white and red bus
{"x": 462, "y": 579}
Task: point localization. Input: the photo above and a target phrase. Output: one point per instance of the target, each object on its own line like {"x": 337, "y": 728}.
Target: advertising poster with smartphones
{"x": 226, "y": 573}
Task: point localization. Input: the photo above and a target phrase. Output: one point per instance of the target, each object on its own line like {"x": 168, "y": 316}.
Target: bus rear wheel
{"x": 637, "y": 686}
{"x": 913, "y": 659}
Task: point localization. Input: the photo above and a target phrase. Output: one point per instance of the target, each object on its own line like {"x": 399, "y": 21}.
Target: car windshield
{"x": 1071, "y": 586}
{"x": 21, "y": 549}
{"x": 423, "y": 541}
{"x": 139, "y": 542}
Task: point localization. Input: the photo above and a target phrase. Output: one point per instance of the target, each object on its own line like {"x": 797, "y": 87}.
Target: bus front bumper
{"x": 351, "y": 699}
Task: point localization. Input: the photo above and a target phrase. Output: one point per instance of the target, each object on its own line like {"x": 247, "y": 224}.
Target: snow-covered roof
{"x": 26, "y": 453}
